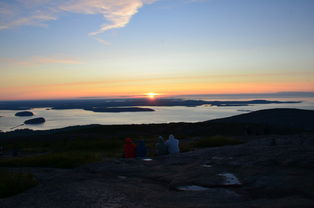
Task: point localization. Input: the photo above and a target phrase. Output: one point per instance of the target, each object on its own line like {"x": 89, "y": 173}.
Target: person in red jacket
{"x": 129, "y": 148}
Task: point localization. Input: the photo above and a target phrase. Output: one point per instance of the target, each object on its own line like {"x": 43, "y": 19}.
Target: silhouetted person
{"x": 161, "y": 147}
{"x": 173, "y": 144}
{"x": 129, "y": 148}
{"x": 141, "y": 150}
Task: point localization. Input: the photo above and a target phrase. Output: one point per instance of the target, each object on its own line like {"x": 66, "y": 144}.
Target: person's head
{"x": 160, "y": 138}
{"x": 171, "y": 136}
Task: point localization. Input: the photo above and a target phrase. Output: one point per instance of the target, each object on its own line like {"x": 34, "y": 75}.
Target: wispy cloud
{"x": 116, "y": 13}
{"x": 39, "y": 60}
{"x": 21, "y": 12}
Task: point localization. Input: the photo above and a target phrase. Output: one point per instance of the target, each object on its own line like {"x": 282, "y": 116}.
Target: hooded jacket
{"x": 161, "y": 147}
{"x": 141, "y": 150}
{"x": 129, "y": 148}
{"x": 173, "y": 144}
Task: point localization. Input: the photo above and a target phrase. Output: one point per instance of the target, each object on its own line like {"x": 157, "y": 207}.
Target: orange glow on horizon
{"x": 151, "y": 95}
{"x": 140, "y": 89}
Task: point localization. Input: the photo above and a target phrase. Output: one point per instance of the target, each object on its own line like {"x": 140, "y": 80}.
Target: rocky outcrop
{"x": 39, "y": 120}
{"x": 260, "y": 173}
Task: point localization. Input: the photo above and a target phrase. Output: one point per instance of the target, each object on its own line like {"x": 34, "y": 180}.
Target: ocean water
{"x": 63, "y": 118}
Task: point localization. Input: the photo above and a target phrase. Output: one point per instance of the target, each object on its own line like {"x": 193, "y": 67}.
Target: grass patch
{"x": 12, "y": 183}
{"x": 54, "y": 160}
{"x": 186, "y": 146}
{"x": 62, "y": 153}
{"x": 74, "y": 152}
{"x": 64, "y": 145}
{"x": 216, "y": 141}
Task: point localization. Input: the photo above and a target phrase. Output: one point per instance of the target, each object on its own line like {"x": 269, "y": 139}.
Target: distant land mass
{"x": 90, "y": 104}
{"x": 118, "y": 110}
{"x": 254, "y": 95}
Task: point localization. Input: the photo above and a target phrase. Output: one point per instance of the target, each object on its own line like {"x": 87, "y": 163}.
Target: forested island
{"x": 24, "y": 114}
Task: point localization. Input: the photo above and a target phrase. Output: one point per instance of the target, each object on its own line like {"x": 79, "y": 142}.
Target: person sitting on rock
{"x": 129, "y": 148}
{"x": 173, "y": 144}
{"x": 161, "y": 147}
{"x": 141, "y": 150}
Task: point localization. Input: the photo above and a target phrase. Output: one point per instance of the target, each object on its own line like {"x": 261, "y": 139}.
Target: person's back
{"x": 141, "y": 150}
{"x": 129, "y": 148}
{"x": 173, "y": 144}
{"x": 161, "y": 147}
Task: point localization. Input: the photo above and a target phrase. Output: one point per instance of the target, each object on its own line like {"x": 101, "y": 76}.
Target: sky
{"x": 53, "y": 49}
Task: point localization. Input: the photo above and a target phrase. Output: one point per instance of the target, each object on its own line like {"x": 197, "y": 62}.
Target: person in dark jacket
{"x": 141, "y": 150}
{"x": 161, "y": 147}
{"x": 129, "y": 148}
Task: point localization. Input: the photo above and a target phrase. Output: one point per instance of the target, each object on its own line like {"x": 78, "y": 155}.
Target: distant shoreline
{"x": 132, "y": 105}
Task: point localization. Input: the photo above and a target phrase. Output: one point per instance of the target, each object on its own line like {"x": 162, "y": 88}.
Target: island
{"x": 24, "y": 113}
{"x": 39, "y": 120}
{"x": 118, "y": 110}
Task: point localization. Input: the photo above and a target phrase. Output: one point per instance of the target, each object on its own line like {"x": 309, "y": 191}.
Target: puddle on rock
{"x": 122, "y": 177}
{"x": 206, "y": 166}
{"x": 230, "y": 179}
{"x": 192, "y": 188}
{"x": 147, "y": 159}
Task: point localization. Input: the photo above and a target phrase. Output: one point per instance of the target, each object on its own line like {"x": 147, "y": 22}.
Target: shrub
{"x": 12, "y": 183}
{"x": 216, "y": 141}
{"x": 55, "y": 160}
{"x": 65, "y": 145}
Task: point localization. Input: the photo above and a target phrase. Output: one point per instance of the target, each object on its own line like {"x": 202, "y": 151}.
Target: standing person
{"x": 161, "y": 147}
{"x": 141, "y": 150}
{"x": 173, "y": 144}
{"x": 129, "y": 148}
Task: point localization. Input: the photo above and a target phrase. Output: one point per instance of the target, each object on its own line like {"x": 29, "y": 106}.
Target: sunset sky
{"x": 87, "y": 48}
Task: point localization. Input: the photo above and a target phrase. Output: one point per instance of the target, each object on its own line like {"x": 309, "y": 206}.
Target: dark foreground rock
{"x": 272, "y": 171}
{"x": 24, "y": 113}
{"x": 35, "y": 121}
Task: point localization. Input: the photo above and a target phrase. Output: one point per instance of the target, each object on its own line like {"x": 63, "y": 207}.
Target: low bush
{"x": 64, "y": 145}
{"x": 12, "y": 183}
{"x": 54, "y": 160}
{"x": 216, "y": 141}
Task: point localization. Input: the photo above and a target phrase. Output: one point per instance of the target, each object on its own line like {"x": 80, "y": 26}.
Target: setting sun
{"x": 151, "y": 95}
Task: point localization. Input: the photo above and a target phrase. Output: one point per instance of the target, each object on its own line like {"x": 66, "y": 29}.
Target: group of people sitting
{"x": 139, "y": 149}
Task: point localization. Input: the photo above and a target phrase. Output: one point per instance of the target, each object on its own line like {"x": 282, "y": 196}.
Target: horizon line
{"x": 287, "y": 93}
